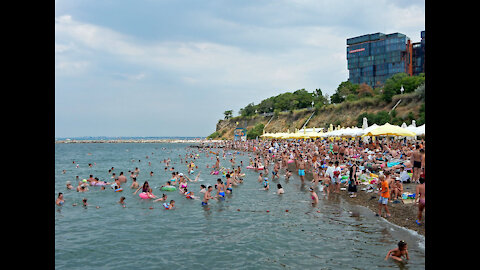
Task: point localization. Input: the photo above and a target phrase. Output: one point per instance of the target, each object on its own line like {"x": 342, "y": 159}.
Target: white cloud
{"x": 209, "y": 63}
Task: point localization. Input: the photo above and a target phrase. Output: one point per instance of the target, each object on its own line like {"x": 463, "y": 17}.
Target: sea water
{"x": 236, "y": 233}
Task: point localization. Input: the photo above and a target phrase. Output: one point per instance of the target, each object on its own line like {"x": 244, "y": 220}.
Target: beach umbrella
{"x": 313, "y": 135}
{"x": 390, "y": 130}
{"x": 420, "y": 131}
{"x": 266, "y": 135}
{"x": 365, "y": 123}
{"x": 277, "y": 135}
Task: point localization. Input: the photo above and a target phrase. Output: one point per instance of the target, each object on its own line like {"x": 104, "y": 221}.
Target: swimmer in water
{"x": 122, "y": 201}
{"x": 230, "y": 184}
{"x": 207, "y": 196}
{"x": 280, "y": 189}
{"x": 163, "y": 198}
{"x": 134, "y": 183}
{"x": 84, "y": 201}
{"x": 220, "y": 188}
{"x": 266, "y": 186}
{"x": 69, "y": 185}
{"x": 287, "y": 175}
{"x": 60, "y": 201}
{"x": 399, "y": 252}
{"x": 170, "y": 205}
{"x": 203, "y": 189}
{"x": 190, "y": 195}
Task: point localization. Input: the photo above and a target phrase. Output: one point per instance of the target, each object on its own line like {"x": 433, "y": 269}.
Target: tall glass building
{"x": 373, "y": 58}
{"x": 418, "y": 55}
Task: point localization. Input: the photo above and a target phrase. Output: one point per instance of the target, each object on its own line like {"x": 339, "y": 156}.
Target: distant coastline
{"x": 135, "y": 140}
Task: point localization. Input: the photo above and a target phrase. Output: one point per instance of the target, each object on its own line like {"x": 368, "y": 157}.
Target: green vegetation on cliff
{"x": 346, "y": 107}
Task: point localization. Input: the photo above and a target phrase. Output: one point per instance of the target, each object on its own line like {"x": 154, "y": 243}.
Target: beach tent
{"x": 390, "y": 130}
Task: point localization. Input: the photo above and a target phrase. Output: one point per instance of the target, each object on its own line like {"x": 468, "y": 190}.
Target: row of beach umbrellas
{"x": 373, "y": 130}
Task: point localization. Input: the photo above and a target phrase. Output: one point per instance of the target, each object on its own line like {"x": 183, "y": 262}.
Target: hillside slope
{"x": 343, "y": 114}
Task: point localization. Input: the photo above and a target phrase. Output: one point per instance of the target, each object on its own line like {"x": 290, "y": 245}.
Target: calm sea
{"x": 340, "y": 236}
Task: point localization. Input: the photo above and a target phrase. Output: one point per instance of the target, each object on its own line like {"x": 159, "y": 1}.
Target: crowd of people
{"x": 391, "y": 162}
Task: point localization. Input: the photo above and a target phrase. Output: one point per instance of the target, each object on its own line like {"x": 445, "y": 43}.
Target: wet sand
{"x": 403, "y": 215}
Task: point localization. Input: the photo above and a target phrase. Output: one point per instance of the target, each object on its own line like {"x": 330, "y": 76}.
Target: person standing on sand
{"x": 417, "y": 163}
{"x": 337, "y": 176}
{"x": 352, "y": 181}
{"x": 335, "y": 150}
{"x": 384, "y": 195}
{"x": 420, "y": 198}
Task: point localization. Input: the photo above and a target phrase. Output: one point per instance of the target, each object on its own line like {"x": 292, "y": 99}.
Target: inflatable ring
{"x": 143, "y": 195}
{"x": 168, "y": 188}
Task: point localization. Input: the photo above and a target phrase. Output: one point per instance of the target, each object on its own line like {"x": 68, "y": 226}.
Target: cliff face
{"x": 345, "y": 114}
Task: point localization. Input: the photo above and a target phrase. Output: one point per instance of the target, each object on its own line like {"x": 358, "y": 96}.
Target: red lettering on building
{"x": 357, "y": 50}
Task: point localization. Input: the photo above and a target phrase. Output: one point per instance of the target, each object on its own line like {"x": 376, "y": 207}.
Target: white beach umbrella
{"x": 420, "y": 131}
{"x": 365, "y": 123}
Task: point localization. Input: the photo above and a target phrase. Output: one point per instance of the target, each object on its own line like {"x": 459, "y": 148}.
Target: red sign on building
{"x": 357, "y": 50}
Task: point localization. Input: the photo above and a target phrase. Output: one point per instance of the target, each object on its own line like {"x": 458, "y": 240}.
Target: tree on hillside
{"x": 256, "y": 131}
{"x": 319, "y": 98}
{"x": 267, "y": 105}
{"x": 303, "y": 98}
{"x": 228, "y": 114}
{"x": 394, "y": 84}
{"x": 364, "y": 90}
{"x": 336, "y": 98}
{"x": 344, "y": 89}
{"x": 248, "y": 110}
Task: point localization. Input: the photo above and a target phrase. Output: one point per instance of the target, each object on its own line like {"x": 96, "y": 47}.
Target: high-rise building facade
{"x": 418, "y": 55}
{"x": 373, "y": 58}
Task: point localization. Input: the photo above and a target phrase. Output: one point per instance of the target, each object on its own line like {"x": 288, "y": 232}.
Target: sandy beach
{"x": 403, "y": 215}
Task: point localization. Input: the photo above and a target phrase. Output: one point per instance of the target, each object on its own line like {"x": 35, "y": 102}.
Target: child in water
{"x": 399, "y": 252}
{"x": 287, "y": 175}
{"x": 314, "y": 196}
{"x": 122, "y": 201}
{"x": 163, "y": 198}
{"x": 266, "y": 186}
{"x": 170, "y": 205}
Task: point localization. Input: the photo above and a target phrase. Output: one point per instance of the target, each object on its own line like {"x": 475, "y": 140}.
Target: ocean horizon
{"x": 129, "y": 138}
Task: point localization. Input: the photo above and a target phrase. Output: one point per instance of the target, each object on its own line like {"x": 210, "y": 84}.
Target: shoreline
{"x": 403, "y": 215}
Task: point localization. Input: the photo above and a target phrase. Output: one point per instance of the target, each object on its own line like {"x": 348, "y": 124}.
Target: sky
{"x": 171, "y": 68}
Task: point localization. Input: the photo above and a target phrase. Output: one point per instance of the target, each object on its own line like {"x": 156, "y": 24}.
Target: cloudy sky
{"x": 171, "y": 68}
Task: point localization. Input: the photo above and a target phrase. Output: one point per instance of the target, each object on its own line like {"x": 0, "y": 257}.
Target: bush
{"x": 214, "y": 135}
{"x": 256, "y": 131}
